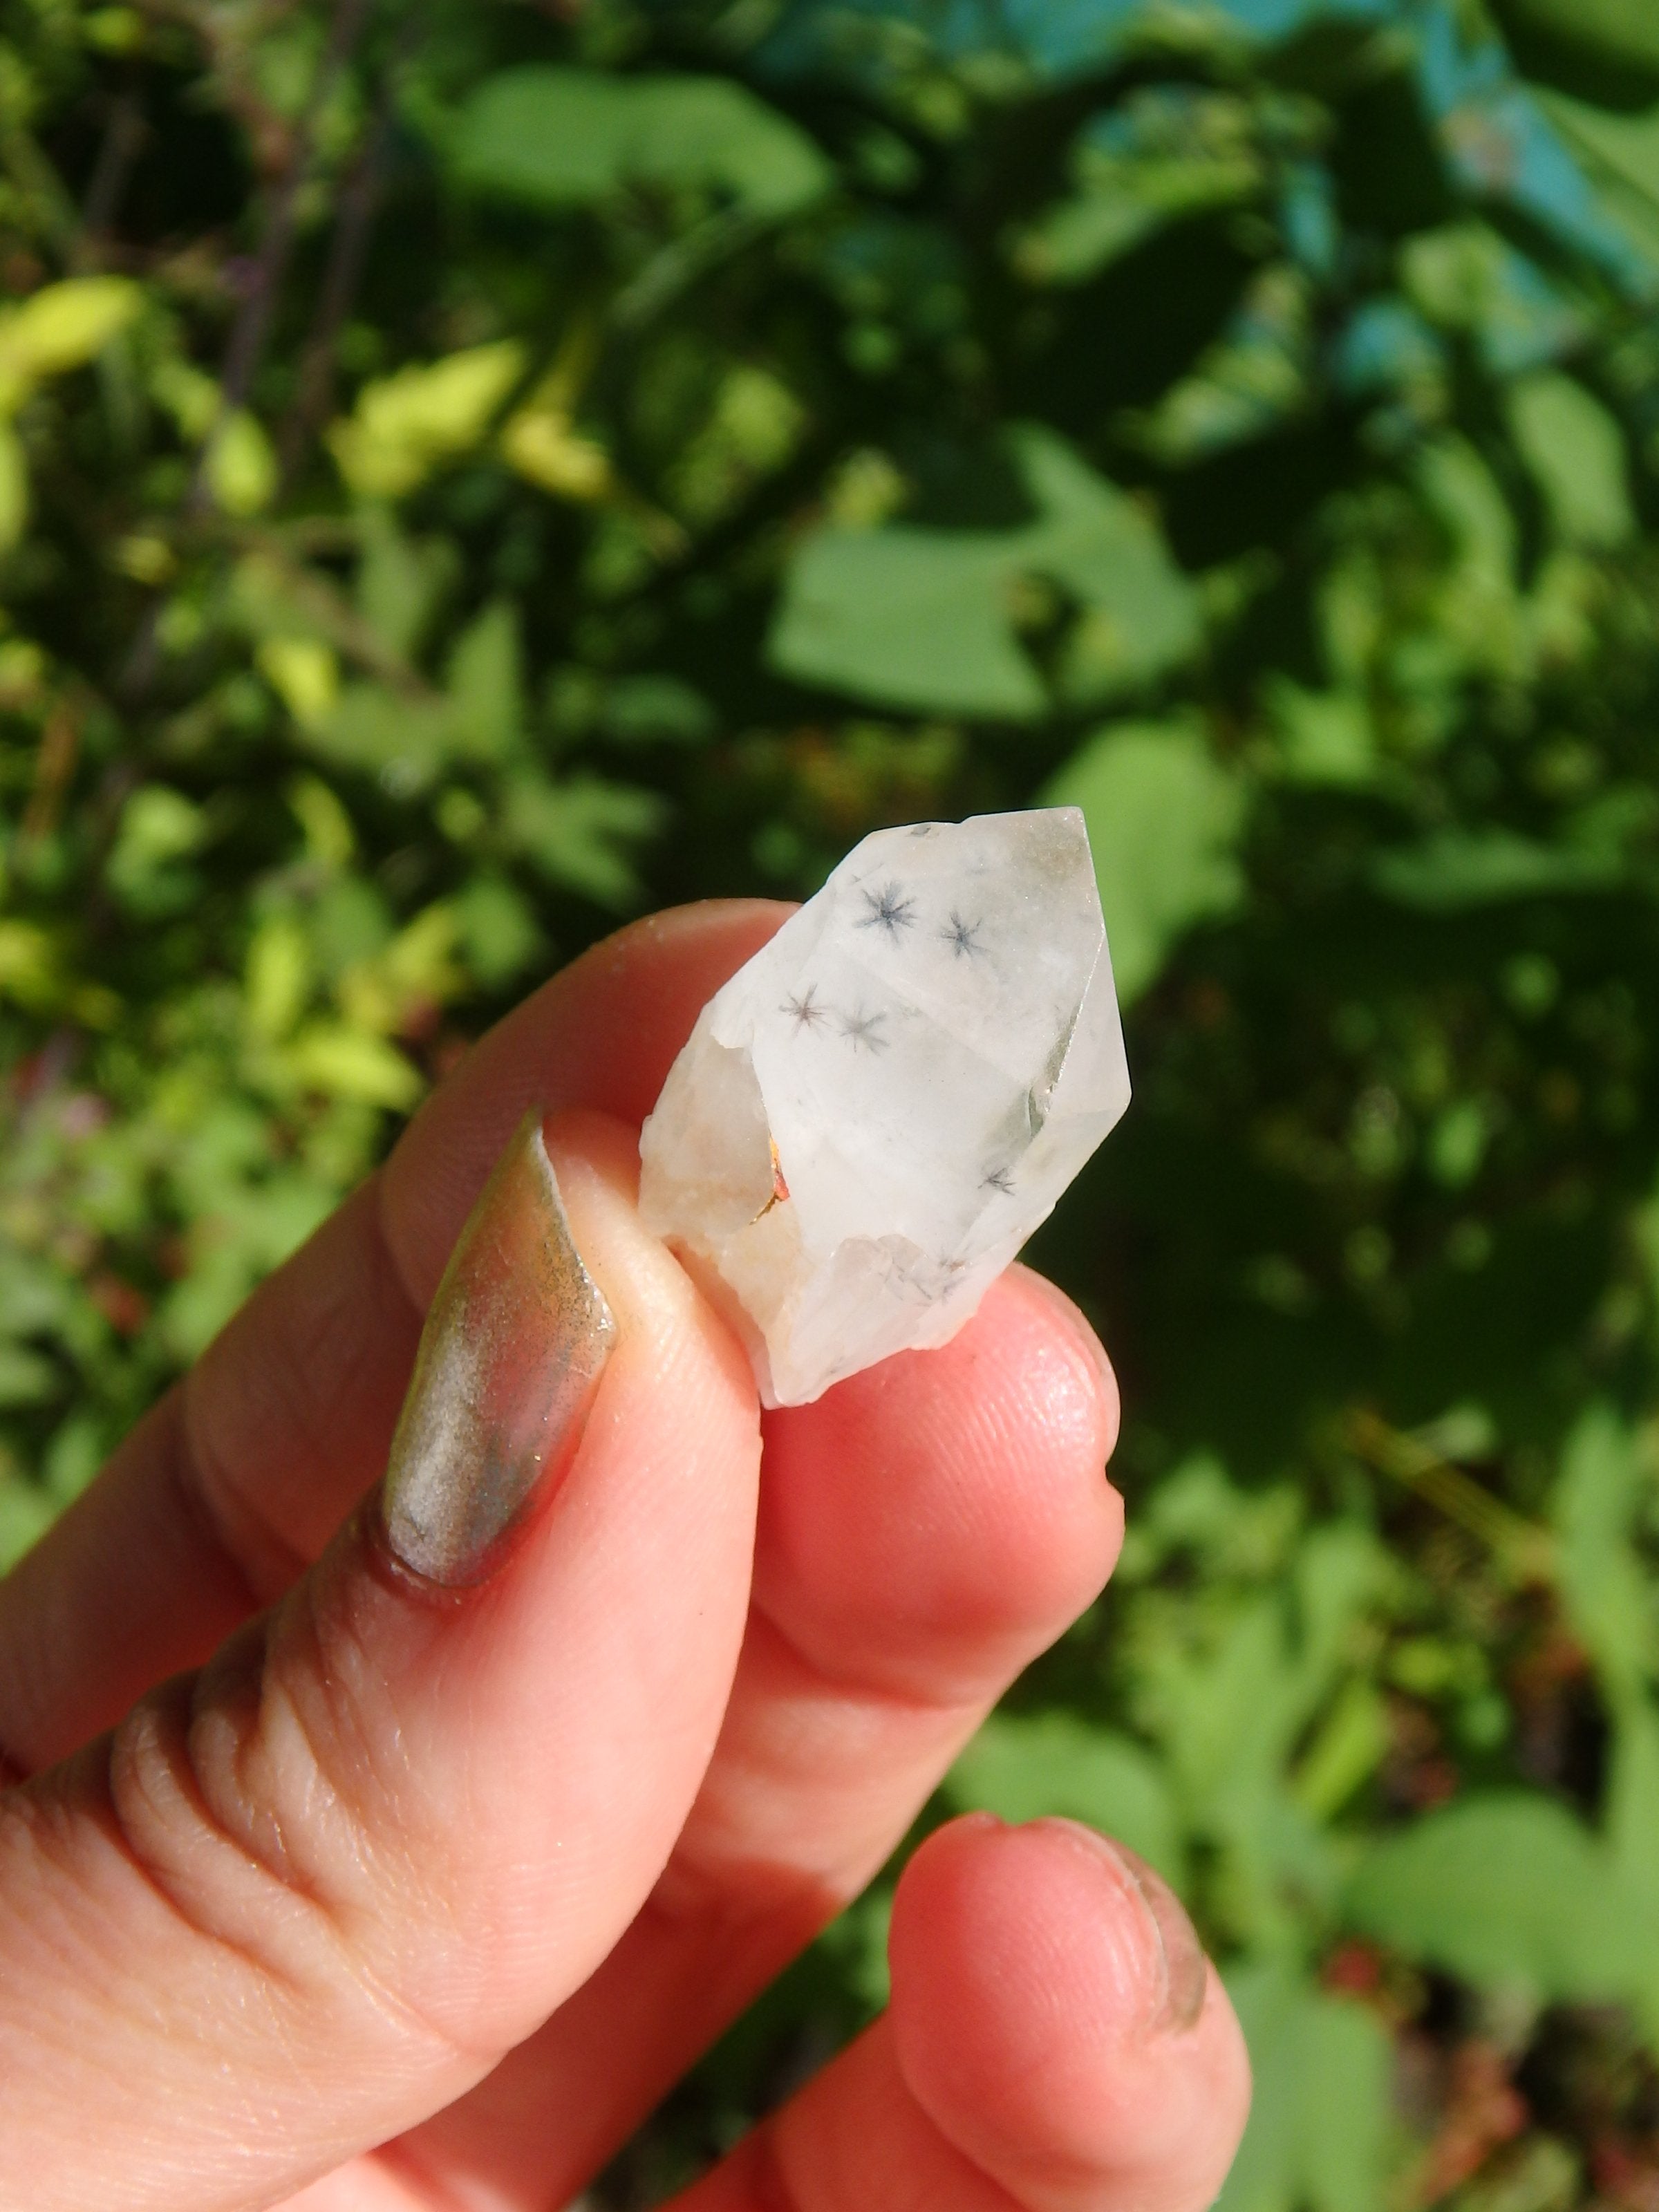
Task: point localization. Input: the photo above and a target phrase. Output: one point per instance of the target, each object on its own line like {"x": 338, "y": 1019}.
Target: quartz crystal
{"x": 871, "y": 1118}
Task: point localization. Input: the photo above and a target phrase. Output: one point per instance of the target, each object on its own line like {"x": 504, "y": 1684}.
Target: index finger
{"x": 223, "y": 1494}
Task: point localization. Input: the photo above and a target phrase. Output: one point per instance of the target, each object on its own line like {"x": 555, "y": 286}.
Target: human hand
{"x": 318, "y": 1876}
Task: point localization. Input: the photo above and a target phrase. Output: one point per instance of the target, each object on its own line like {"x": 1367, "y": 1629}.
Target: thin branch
{"x": 253, "y": 325}
{"x": 1524, "y": 1547}
{"x": 124, "y": 135}
{"x": 348, "y": 254}
{"x": 245, "y": 347}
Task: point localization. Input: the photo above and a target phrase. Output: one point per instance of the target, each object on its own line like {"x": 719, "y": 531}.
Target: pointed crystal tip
{"x": 871, "y": 1118}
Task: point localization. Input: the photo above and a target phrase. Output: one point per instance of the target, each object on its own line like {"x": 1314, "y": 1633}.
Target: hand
{"x": 407, "y": 1891}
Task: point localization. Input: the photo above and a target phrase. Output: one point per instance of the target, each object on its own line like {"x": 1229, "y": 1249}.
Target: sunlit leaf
{"x": 1508, "y": 1891}
{"x": 1576, "y": 452}
{"x": 350, "y": 1063}
{"x": 406, "y": 425}
{"x": 1165, "y": 823}
{"x": 584, "y": 832}
{"x": 14, "y": 487}
{"x": 1608, "y": 1596}
{"x": 1164, "y": 153}
{"x": 485, "y": 685}
{"x": 241, "y": 467}
{"x": 1467, "y": 868}
{"x": 277, "y": 977}
{"x": 1620, "y": 34}
{"x": 159, "y": 827}
{"x": 1021, "y": 1766}
{"x": 305, "y": 674}
{"x": 560, "y": 137}
{"x": 61, "y": 327}
{"x": 909, "y": 617}
{"x": 1318, "y": 2135}
{"x": 926, "y": 618}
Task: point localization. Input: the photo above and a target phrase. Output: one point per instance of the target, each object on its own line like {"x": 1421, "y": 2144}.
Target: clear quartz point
{"x": 871, "y": 1118}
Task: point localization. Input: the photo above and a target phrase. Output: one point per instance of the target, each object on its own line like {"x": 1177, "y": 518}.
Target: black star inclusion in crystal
{"x": 805, "y": 1012}
{"x": 865, "y": 1030}
{"x": 962, "y": 937}
{"x": 889, "y": 909}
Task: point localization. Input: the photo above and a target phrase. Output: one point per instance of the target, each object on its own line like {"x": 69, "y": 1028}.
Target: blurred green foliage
{"x": 472, "y": 469}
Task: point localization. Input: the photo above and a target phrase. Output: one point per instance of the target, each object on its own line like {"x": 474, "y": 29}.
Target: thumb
{"x": 295, "y": 1903}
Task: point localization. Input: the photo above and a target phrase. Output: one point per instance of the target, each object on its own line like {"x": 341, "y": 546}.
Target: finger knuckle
{"x": 238, "y": 1796}
{"x": 204, "y": 1803}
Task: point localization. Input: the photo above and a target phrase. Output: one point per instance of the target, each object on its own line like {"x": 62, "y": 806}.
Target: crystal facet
{"x": 871, "y": 1118}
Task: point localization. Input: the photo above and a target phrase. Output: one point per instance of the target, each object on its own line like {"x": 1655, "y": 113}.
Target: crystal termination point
{"x": 874, "y": 1114}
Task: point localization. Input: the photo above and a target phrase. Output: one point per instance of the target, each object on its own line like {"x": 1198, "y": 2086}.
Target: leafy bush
{"x": 470, "y": 473}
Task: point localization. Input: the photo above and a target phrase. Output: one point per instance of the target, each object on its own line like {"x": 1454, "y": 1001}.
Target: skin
{"x": 320, "y": 1886}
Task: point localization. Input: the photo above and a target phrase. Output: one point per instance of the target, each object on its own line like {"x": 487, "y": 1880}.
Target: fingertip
{"x": 933, "y": 1522}
{"x": 1076, "y": 1330}
{"x": 1033, "y": 2018}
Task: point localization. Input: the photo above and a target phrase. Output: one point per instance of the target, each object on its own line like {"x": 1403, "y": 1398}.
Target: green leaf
{"x": 1164, "y": 822}
{"x": 912, "y": 616}
{"x": 1620, "y": 34}
{"x": 349, "y": 1063}
{"x": 1575, "y": 453}
{"x": 581, "y": 833}
{"x": 404, "y": 426}
{"x": 242, "y": 468}
{"x": 401, "y": 579}
{"x": 1509, "y": 1891}
{"x": 1632, "y": 1823}
{"x": 1021, "y": 1766}
{"x": 907, "y": 617}
{"x": 61, "y": 327}
{"x": 500, "y": 937}
{"x": 160, "y": 827}
{"x": 1621, "y": 153}
{"x": 568, "y": 137}
{"x": 305, "y": 674}
{"x": 1161, "y": 154}
{"x": 1324, "y": 737}
{"x": 485, "y": 685}
{"x": 276, "y": 981}
{"x": 1350, "y": 1745}
{"x": 26, "y": 1377}
{"x": 1457, "y": 868}
{"x": 26, "y": 1514}
{"x": 14, "y": 488}
{"x": 1140, "y": 614}
{"x": 1320, "y": 2120}
{"x": 1608, "y": 1597}
{"x": 1254, "y": 378}
{"x": 405, "y": 741}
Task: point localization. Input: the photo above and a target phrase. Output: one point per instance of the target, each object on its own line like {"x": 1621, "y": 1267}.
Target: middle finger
{"x": 925, "y": 1530}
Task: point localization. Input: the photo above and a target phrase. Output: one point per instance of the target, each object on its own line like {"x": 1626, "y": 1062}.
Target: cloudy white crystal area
{"x": 872, "y": 1117}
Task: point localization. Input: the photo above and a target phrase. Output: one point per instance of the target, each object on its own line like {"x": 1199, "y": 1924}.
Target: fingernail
{"x": 1183, "y": 1975}
{"x": 513, "y": 1346}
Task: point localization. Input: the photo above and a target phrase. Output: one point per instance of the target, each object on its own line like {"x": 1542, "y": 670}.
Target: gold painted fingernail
{"x": 513, "y": 1346}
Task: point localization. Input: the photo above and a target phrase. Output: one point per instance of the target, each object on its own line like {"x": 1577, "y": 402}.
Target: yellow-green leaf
{"x": 348, "y": 1063}
{"x": 242, "y": 468}
{"x": 278, "y": 976}
{"x": 14, "y": 488}
{"x": 304, "y": 674}
{"x": 404, "y": 426}
{"x": 61, "y": 327}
